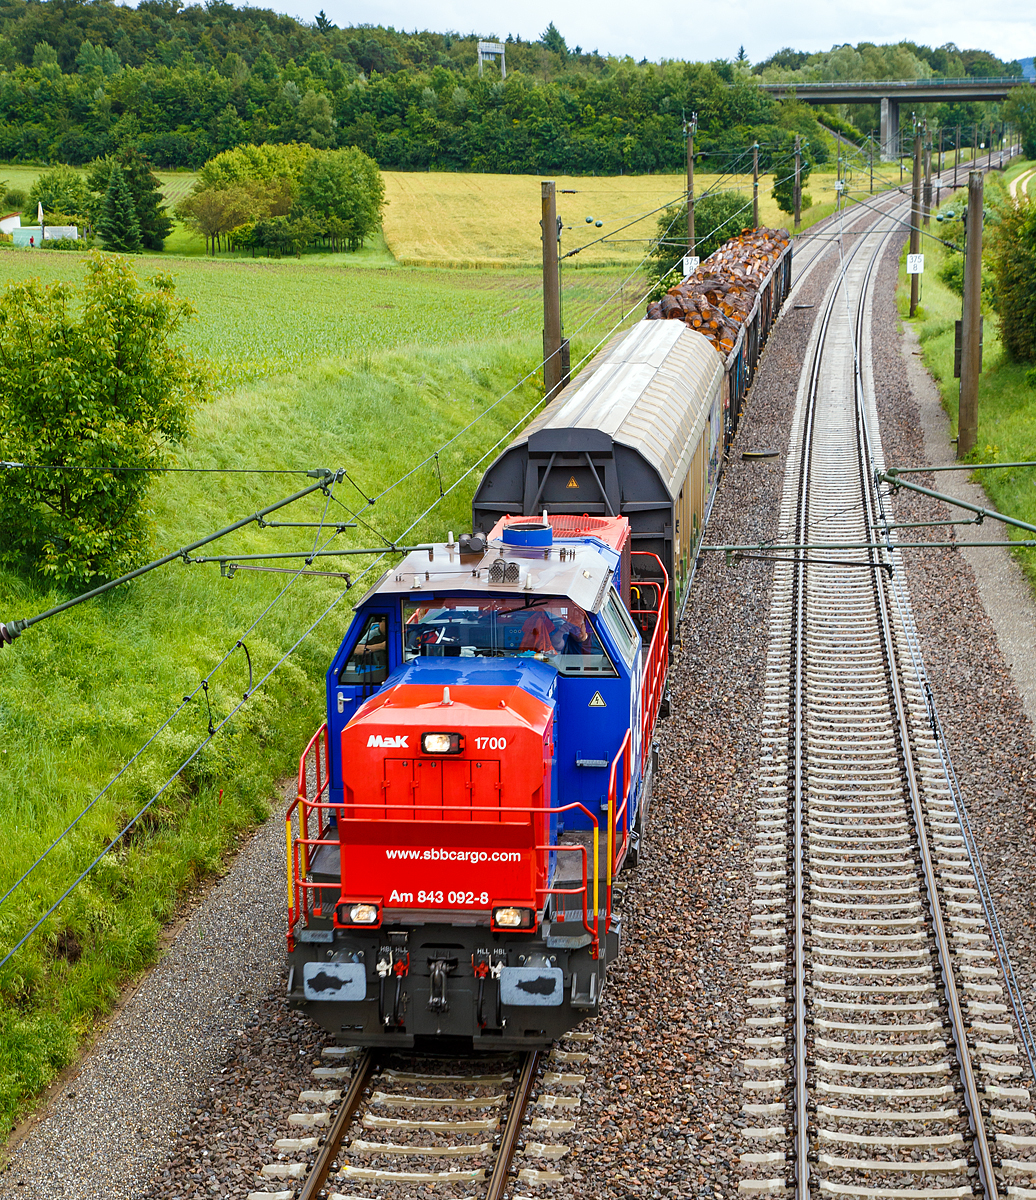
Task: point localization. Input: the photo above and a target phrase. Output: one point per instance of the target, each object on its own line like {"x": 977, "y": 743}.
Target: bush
{"x": 1012, "y": 256}
{"x": 952, "y": 272}
{"x": 14, "y": 199}
{"x": 88, "y": 380}
{"x": 61, "y": 244}
{"x": 784, "y": 181}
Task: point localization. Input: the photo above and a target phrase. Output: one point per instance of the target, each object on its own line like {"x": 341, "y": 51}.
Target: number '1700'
{"x": 490, "y": 743}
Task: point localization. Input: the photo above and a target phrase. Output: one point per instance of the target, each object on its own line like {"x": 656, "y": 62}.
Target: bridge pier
{"x": 889, "y": 128}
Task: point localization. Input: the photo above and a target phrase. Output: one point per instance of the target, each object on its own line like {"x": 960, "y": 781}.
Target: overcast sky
{"x": 1008, "y": 28}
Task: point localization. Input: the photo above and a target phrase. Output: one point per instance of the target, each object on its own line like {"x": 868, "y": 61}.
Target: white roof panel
{"x": 650, "y": 389}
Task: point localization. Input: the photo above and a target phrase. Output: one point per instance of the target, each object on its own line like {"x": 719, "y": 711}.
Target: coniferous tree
{"x": 118, "y": 224}
{"x": 144, "y": 189}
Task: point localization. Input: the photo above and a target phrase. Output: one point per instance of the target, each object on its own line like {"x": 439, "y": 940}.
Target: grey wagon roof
{"x": 650, "y": 389}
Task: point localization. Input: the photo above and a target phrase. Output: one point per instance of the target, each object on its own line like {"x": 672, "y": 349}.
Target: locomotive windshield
{"x": 553, "y": 630}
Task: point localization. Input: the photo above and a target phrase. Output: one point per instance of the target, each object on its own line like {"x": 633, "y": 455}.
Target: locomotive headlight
{"x": 363, "y": 914}
{"x": 512, "y": 918}
{"x": 442, "y": 743}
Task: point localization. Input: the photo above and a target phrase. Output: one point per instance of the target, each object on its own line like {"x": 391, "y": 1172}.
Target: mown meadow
{"x": 315, "y": 363}
{"x": 1007, "y": 389}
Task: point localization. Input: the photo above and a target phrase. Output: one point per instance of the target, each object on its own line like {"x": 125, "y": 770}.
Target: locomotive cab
{"x": 482, "y": 777}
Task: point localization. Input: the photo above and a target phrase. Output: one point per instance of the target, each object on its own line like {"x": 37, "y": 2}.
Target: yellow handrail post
{"x": 291, "y": 873}
{"x": 597, "y": 878}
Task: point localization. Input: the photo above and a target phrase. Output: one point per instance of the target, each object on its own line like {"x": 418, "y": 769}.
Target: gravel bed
{"x": 194, "y": 1079}
{"x": 990, "y": 738}
{"x": 661, "y": 1115}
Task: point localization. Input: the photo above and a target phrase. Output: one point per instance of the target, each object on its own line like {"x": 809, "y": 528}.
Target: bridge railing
{"x": 976, "y": 81}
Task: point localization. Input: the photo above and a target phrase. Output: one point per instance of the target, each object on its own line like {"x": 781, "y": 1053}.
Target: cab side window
{"x": 368, "y": 662}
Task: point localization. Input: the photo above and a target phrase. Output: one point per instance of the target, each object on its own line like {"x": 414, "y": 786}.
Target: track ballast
{"x": 882, "y": 1058}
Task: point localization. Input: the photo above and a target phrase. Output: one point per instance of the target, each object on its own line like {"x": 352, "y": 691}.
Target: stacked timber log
{"x": 718, "y": 297}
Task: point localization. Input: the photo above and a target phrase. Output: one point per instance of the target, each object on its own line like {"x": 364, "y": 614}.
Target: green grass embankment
{"x": 1006, "y": 400}
{"x": 370, "y": 370}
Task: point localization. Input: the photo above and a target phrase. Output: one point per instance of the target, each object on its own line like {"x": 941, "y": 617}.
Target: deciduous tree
{"x": 718, "y": 217}
{"x": 345, "y": 184}
{"x": 1020, "y": 110}
{"x": 89, "y": 378}
{"x": 61, "y": 190}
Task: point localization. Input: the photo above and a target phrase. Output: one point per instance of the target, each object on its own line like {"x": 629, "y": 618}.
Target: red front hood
{"x": 447, "y": 830}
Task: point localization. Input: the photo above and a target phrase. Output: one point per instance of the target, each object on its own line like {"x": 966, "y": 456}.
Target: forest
{"x": 182, "y": 83}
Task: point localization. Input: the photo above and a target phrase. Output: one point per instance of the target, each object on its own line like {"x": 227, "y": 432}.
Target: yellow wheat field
{"x": 439, "y": 219}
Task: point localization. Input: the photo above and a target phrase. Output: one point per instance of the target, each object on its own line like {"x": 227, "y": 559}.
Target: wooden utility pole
{"x": 915, "y": 218}
{"x": 755, "y": 186}
{"x": 926, "y": 206}
{"x": 552, "y": 368}
{"x": 798, "y": 181}
{"x": 971, "y": 320}
{"x": 689, "y": 129}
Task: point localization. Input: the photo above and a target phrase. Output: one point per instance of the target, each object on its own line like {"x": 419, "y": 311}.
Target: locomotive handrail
{"x": 301, "y": 885}
{"x": 323, "y": 779}
{"x": 584, "y": 890}
{"x": 617, "y": 812}
{"x": 298, "y": 846}
{"x": 656, "y": 667}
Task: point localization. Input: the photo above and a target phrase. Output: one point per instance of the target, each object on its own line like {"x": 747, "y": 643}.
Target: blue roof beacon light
{"x": 528, "y": 533}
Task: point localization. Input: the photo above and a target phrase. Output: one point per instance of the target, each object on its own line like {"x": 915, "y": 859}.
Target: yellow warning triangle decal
{"x": 571, "y": 482}
{"x": 598, "y": 701}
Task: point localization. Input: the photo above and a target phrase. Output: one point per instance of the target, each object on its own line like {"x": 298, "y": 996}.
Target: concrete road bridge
{"x": 891, "y": 94}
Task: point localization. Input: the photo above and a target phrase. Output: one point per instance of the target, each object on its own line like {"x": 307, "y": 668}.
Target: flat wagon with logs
{"x": 643, "y": 430}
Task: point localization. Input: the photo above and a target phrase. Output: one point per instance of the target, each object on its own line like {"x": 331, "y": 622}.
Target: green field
{"x": 260, "y": 316}
{"x": 1006, "y": 402}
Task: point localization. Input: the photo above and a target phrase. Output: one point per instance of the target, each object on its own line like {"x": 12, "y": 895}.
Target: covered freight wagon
{"x": 638, "y": 434}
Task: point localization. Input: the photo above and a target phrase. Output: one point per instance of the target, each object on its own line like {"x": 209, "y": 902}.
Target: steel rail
{"x": 797, "y": 754}
{"x": 500, "y": 1177}
{"x": 350, "y": 1103}
{"x": 868, "y": 484}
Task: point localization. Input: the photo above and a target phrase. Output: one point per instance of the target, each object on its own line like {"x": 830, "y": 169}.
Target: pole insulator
{"x": 10, "y": 631}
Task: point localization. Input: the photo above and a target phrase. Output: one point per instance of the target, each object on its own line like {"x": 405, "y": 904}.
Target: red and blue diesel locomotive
{"x": 453, "y": 872}
{"x": 486, "y": 767}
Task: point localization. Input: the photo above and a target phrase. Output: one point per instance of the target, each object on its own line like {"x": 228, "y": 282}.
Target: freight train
{"x": 486, "y": 768}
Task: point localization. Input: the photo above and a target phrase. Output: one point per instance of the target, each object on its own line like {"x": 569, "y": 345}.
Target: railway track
{"x": 405, "y": 1123}
{"x": 882, "y": 1058}
{"x": 815, "y": 246}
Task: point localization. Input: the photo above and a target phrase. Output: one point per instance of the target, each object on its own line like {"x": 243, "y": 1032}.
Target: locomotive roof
{"x": 578, "y": 570}
{"x": 651, "y": 389}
